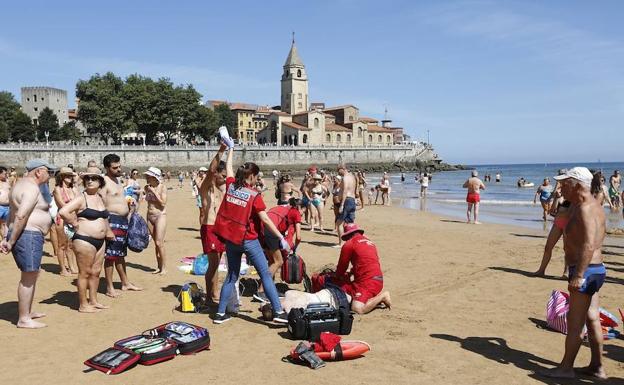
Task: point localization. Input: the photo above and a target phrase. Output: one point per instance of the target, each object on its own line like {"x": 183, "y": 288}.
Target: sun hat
{"x": 66, "y": 171}
{"x": 317, "y": 177}
{"x": 350, "y": 228}
{"x": 154, "y": 172}
{"x": 204, "y": 169}
{"x": 36, "y": 163}
{"x": 582, "y": 174}
{"x": 94, "y": 171}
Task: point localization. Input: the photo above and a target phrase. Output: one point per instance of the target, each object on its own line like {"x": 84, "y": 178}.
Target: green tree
{"x": 225, "y": 117}
{"x": 8, "y": 107}
{"x": 142, "y": 96}
{"x": 102, "y": 108}
{"x": 48, "y": 122}
{"x": 4, "y": 132}
{"x": 69, "y": 131}
{"x": 22, "y": 128}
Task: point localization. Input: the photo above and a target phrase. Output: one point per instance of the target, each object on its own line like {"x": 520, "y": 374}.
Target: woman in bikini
{"x": 88, "y": 218}
{"x": 336, "y": 196}
{"x": 156, "y": 198}
{"x": 63, "y": 193}
{"x": 560, "y": 208}
{"x": 318, "y": 202}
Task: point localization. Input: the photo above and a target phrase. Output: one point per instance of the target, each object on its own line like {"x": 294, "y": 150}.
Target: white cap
{"x": 202, "y": 168}
{"x": 582, "y": 174}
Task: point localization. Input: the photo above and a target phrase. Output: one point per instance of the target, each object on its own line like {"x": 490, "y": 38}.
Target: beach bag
{"x": 557, "y": 311}
{"x": 293, "y": 269}
{"x": 151, "y": 350}
{"x": 200, "y": 265}
{"x": 113, "y": 360}
{"x": 138, "y": 234}
{"x": 191, "y": 296}
{"x": 190, "y": 338}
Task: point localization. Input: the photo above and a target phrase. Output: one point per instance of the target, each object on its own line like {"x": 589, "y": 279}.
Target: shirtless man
{"x": 583, "y": 237}
{"x": 5, "y": 189}
{"x": 212, "y": 191}
{"x": 306, "y": 193}
{"x": 473, "y": 184}
{"x": 346, "y": 210}
{"x": 29, "y": 220}
{"x": 614, "y": 189}
{"x": 117, "y": 206}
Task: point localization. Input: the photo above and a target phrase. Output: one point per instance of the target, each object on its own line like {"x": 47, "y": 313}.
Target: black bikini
{"x": 91, "y": 215}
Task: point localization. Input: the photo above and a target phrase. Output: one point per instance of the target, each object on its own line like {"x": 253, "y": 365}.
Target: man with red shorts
{"x": 474, "y": 185}
{"x": 211, "y": 192}
{"x": 364, "y": 283}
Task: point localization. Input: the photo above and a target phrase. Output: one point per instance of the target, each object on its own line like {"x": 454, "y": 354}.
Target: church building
{"x": 300, "y": 123}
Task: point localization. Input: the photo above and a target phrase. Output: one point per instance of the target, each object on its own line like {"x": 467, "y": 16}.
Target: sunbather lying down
{"x": 301, "y": 299}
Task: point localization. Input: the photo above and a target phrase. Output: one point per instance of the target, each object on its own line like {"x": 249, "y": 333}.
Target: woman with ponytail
{"x": 238, "y": 224}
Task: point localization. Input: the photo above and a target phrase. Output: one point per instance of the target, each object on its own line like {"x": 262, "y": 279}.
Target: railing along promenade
{"x": 189, "y": 147}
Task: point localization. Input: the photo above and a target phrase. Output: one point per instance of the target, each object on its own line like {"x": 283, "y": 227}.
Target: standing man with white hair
{"x": 474, "y": 185}
{"x": 29, "y": 221}
{"x": 583, "y": 237}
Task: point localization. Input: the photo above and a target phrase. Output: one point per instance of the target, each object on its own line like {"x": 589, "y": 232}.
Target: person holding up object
{"x": 238, "y": 222}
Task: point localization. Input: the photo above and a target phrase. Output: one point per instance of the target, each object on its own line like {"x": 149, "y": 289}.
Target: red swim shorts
{"x": 363, "y": 291}
{"x": 210, "y": 241}
{"x": 473, "y": 198}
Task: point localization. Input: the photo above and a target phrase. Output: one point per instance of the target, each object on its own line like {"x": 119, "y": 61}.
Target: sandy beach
{"x": 464, "y": 311}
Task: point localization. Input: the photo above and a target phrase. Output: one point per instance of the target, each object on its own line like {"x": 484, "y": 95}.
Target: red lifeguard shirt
{"x": 362, "y": 254}
{"x": 254, "y": 219}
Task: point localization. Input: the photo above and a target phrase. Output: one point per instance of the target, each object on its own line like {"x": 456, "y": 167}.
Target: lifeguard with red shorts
{"x": 364, "y": 282}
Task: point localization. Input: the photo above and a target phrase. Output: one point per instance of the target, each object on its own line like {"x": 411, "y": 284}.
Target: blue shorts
{"x": 348, "y": 211}
{"x": 4, "y": 213}
{"x": 305, "y": 202}
{"x": 198, "y": 200}
{"x": 593, "y": 278}
{"x": 28, "y": 250}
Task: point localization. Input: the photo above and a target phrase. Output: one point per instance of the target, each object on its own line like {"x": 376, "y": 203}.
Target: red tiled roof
{"x": 368, "y": 120}
{"x": 296, "y": 126}
{"x": 336, "y": 128}
{"x": 280, "y": 113}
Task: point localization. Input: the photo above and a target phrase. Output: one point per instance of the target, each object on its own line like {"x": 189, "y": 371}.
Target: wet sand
{"x": 464, "y": 311}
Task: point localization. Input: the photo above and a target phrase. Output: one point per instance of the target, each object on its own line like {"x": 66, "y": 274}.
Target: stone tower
{"x": 294, "y": 83}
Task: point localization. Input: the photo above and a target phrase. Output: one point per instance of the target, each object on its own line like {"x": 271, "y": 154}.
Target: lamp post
{"x": 47, "y": 134}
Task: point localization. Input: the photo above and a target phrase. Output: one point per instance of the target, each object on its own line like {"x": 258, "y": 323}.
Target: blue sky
{"x": 492, "y": 81}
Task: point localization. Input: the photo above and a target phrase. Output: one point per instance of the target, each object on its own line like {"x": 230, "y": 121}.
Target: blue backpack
{"x": 138, "y": 234}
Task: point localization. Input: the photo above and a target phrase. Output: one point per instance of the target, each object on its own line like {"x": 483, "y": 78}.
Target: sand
{"x": 464, "y": 311}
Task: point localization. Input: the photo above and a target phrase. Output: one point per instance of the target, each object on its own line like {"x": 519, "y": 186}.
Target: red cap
{"x": 312, "y": 169}
{"x": 350, "y": 228}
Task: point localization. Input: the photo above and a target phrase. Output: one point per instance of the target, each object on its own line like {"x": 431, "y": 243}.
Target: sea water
{"x": 502, "y": 202}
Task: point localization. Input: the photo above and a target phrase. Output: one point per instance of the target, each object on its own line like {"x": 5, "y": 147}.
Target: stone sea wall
{"x": 193, "y": 157}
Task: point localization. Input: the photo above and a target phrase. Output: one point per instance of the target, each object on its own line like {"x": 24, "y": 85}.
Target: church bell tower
{"x": 294, "y": 83}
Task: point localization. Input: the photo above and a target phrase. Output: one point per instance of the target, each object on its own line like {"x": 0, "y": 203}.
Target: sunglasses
{"x": 89, "y": 178}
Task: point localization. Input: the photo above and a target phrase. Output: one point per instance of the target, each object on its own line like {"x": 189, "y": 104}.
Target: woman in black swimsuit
{"x": 87, "y": 214}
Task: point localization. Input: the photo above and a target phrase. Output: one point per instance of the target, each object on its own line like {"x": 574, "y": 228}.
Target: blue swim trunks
{"x": 594, "y": 278}
{"x": 4, "y": 213}
{"x": 348, "y": 211}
